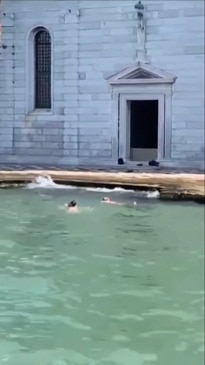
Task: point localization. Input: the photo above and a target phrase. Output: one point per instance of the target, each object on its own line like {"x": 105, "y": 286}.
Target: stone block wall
{"x": 175, "y": 42}
{"x": 91, "y": 40}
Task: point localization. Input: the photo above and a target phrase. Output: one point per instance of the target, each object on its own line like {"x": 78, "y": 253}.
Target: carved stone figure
{"x": 141, "y": 32}
{"x": 141, "y": 35}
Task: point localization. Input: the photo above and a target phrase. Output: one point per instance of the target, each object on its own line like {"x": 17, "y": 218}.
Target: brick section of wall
{"x": 44, "y": 138}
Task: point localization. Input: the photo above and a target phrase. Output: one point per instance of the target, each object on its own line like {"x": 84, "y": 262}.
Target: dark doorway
{"x": 143, "y": 129}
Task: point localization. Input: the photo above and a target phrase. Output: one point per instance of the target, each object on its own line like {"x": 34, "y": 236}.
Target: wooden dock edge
{"x": 177, "y": 186}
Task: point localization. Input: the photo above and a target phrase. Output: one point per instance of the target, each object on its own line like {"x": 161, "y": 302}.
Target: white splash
{"x": 46, "y": 182}
{"x": 153, "y": 194}
{"x": 109, "y": 190}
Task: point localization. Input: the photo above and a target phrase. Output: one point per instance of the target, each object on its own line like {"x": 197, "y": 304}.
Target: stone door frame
{"x": 124, "y": 123}
{"x": 141, "y": 82}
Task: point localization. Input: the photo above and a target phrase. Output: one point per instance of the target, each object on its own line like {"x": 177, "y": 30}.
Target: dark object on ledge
{"x": 120, "y": 161}
{"x": 153, "y": 163}
{"x": 140, "y": 9}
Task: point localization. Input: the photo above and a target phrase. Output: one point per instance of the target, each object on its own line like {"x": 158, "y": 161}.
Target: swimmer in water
{"x": 72, "y": 207}
{"x": 109, "y": 201}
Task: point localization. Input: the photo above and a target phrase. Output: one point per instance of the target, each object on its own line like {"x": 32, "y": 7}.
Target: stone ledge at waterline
{"x": 171, "y": 186}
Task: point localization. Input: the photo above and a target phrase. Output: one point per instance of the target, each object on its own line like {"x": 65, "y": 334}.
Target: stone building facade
{"x": 90, "y": 81}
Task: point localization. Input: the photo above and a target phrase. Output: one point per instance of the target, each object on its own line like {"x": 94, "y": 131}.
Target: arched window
{"x": 42, "y": 65}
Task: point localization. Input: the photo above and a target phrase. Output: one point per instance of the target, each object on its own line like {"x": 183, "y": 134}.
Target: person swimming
{"x": 109, "y": 201}
{"x": 106, "y": 199}
{"x": 72, "y": 207}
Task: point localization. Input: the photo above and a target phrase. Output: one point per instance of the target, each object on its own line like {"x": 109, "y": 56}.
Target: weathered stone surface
{"x": 170, "y": 185}
{"x": 90, "y": 42}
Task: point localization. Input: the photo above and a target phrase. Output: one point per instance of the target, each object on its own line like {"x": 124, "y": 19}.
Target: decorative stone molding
{"x": 141, "y": 73}
{"x": 141, "y": 81}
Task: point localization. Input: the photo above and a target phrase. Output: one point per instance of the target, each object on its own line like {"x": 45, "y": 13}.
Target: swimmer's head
{"x": 72, "y": 204}
{"x": 106, "y": 199}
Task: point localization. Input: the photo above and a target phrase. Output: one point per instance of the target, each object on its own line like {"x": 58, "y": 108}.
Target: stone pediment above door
{"x": 141, "y": 73}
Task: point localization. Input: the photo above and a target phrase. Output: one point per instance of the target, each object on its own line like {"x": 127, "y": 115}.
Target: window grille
{"x": 42, "y": 70}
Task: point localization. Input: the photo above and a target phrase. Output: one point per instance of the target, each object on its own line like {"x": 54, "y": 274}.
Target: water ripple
{"x": 104, "y": 288}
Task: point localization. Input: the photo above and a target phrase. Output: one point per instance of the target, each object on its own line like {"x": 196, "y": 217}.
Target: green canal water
{"x": 113, "y": 285}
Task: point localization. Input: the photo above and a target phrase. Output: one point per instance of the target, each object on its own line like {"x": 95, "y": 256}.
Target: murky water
{"x": 119, "y": 285}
